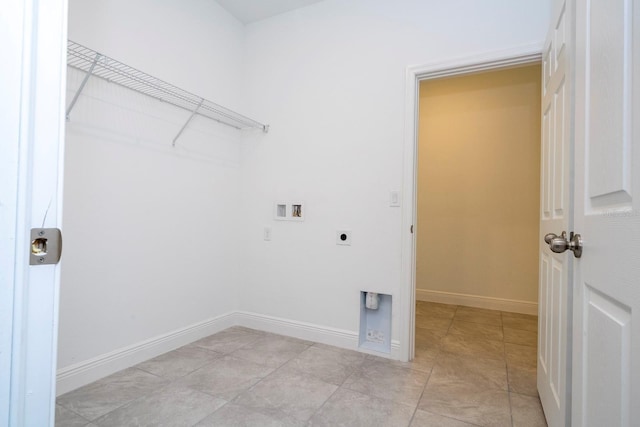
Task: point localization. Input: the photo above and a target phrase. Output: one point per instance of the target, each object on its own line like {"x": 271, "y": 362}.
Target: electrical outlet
{"x": 343, "y": 237}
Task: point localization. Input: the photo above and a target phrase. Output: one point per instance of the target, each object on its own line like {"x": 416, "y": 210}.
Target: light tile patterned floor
{"x": 473, "y": 367}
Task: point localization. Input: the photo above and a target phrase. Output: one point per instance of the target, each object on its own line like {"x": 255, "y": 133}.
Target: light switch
{"x": 267, "y": 233}
{"x": 394, "y": 199}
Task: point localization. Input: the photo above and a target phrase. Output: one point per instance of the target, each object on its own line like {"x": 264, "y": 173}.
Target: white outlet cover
{"x": 267, "y": 233}
{"x": 343, "y": 237}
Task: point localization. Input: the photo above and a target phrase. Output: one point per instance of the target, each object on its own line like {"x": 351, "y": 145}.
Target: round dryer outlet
{"x": 343, "y": 237}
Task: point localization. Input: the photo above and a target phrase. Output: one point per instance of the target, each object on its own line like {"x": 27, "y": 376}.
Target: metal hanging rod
{"x": 96, "y": 64}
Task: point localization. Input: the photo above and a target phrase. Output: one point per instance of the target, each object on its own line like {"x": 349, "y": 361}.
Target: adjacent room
{"x": 233, "y": 209}
{"x": 478, "y": 197}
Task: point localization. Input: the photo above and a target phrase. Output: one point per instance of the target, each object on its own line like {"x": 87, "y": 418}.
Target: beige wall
{"x": 478, "y": 184}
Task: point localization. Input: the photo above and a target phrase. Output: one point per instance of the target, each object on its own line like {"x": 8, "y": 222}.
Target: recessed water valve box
{"x": 375, "y": 322}
{"x": 289, "y": 211}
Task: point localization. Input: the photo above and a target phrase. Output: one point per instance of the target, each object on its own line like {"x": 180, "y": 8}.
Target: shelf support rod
{"x": 84, "y": 82}
{"x": 193, "y": 113}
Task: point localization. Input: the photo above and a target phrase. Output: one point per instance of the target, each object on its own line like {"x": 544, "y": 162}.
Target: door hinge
{"x": 411, "y": 229}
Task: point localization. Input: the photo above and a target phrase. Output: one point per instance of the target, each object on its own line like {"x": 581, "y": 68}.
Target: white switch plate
{"x": 394, "y": 199}
{"x": 267, "y": 233}
{"x": 343, "y": 237}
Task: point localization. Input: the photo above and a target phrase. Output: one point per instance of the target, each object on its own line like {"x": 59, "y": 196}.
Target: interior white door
{"x": 606, "y": 356}
{"x": 33, "y": 71}
{"x": 554, "y": 295}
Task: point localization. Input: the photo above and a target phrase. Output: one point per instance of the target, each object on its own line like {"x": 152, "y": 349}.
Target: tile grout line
{"x": 74, "y": 412}
{"x": 325, "y": 402}
{"x": 220, "y": 356}
{"x": 338, "y": 387}
{"x": 169, "y": 382}
{"x": 455, "y": 313}
{"x": 435, "y": 360}
{"x": 230, "y": 354}
{"x": 429, "y": 379}
{"x": 133, "y": 400}
{"x": 504, "y": 359}
{"x": 413, "y": 415}
{"x": 236, "y": 397}
{"x": 506, "y": 363}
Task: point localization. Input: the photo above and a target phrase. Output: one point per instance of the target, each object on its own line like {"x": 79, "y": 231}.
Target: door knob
{"x": 560, "y": 244}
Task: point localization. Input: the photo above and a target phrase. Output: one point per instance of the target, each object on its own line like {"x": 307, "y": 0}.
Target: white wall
{"x": 151, "y": 233}
{"x": 330, "y": 79}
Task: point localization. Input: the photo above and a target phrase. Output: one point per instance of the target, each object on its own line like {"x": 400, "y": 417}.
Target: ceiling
{"x": 248, "y": 11}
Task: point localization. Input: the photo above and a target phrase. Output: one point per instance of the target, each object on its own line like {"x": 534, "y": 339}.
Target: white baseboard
{"x": 85, "y": 372}
{"x": 305, "y": 331}
{"x": 502, "y": 304}
{"x": 88, "y": 371}
{"x": 310, "y": 332}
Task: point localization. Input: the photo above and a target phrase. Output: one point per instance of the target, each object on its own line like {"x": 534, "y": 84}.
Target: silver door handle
{"x": 560, "y": 244}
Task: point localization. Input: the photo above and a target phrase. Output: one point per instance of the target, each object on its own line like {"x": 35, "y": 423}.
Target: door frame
{"x": 32, "y": 143}
{"x": 520, "y": 55}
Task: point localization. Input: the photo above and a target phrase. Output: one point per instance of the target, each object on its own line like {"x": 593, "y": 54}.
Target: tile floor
{"x": 473, "y": 367}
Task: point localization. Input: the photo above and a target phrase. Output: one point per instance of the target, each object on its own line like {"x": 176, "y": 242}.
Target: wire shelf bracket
{"x": 195, "y": 111}
{"x": 95, "y": 64}
{"x": 84, "y": 82}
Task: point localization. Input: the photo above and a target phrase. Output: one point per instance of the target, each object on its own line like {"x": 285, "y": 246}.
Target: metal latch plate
{"x": 46, "y": 246}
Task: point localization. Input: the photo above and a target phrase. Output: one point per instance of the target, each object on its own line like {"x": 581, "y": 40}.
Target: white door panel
{"x": 555, "y": 269}
{"x": 606, "y": 384}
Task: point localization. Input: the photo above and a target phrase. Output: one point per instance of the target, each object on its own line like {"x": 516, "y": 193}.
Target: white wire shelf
{"x": 95, "y": 64}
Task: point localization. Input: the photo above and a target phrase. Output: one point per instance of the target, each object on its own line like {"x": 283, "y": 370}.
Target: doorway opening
{"x": 470, "y": 190}
{"x": 521, "y": 56}
{"x": 478, "y": 189}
